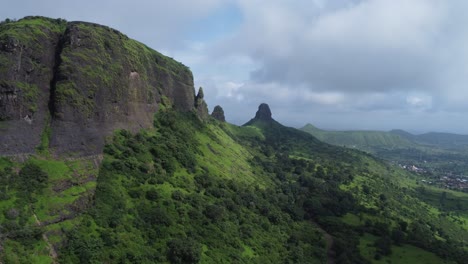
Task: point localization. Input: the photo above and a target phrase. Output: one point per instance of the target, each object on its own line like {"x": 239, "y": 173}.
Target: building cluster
{"x": 448, "y": 180}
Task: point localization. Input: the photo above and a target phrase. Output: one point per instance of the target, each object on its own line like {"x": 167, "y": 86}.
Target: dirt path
{"x": 52, "y": 252}
{"x": 330, "y": 253}
{"x": 329, "y": 245}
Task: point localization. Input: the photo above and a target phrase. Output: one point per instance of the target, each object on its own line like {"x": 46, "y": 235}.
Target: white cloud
{"x": 419, "y": 101}
{"x": 356, "y": 47}
{"x": 342, "y": 62}
{"x": 159, "y": 24}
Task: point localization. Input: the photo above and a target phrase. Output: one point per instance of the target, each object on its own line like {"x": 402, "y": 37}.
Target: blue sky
{"x": 339, "y": 64}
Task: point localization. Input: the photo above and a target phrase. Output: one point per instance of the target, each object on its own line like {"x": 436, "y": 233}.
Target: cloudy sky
{"x": 338, "y": 64}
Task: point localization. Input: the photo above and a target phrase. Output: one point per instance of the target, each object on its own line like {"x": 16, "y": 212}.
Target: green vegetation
{"x": 189, "y": 191}
{"x": 164, "y": 196}
{"x": 30, "y": 30}
{"x": 40, "y": 197}
{"x": 29, "y": 94}
{"x": 400, "y": 254}
{"x": 43, "y": 148}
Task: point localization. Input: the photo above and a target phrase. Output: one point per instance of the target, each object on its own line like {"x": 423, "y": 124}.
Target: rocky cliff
{"x": 65, "y": 86}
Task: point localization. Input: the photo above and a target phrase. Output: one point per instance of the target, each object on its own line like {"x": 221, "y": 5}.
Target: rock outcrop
{"x": 263, "y": 116}
{"x": 263, "y": 113}
{"x": 218, "y": 113}
{"x": 200, "y": 105}
{"x": 65, "y": 86}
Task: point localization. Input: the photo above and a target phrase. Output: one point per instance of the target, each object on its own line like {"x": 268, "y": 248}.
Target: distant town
{"x": 446, "y": 180}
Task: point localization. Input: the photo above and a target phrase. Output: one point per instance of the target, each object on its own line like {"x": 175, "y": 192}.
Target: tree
{"x": 32, "y": 179}
{"x": 183, "y": 250}
{"x": 384, "y": 246}
{"x": 398, "y": 236}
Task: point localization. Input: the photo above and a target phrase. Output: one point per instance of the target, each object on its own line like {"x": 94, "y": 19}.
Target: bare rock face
{"x": 218, "y": 113}
{"x": 69, "y": 85}
{"x": 200, "y": 105}
{"x": 263, "y": 113}
{"x": 27, "y": 61}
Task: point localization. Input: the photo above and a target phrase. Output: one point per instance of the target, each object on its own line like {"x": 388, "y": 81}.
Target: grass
{"x": 225, "y": 157}
{"x": 57, "y": 170}
{"x": 400, "y": 254}
{"x": 351, "y": 219}
{"x": 30, "y": 93}
{"x": 49, "y": 205}
{"x": 4, "y": 163}
{"x": 31, "y": 29}
{"x": 248, "y": 252}
{"x": 43, "y": 148}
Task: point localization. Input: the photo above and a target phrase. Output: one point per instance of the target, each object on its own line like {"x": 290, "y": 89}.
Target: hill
{"x": 188, "y": 188}
{"x": 441, "y": 140}
{"x": 394, "y": 139}
{"x": 439, "y": 154}
{"x": 364, "y": 140}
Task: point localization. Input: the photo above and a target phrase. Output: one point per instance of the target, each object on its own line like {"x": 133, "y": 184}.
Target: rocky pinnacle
{"x": 264, "y": 112}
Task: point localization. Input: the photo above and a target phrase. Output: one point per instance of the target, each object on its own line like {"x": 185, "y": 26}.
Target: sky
{"x": 338, "y": 64}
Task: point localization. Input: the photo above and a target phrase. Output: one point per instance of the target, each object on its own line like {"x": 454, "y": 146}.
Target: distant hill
{"x": 364, "y": 140}
{"x": 442, "y": 140}
{"x": 394, "y": 139}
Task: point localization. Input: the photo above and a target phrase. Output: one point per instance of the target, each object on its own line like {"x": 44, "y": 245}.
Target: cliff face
{"x": 66, "y": 86}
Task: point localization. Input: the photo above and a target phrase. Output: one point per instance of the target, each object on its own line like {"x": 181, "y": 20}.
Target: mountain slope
{"x": 191, "y": 191}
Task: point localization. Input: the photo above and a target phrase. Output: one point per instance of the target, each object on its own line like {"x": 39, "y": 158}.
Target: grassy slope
{"x": 57, "y": 207}
{"x": 400, "y": 254}
{"x": 212, "y": 197}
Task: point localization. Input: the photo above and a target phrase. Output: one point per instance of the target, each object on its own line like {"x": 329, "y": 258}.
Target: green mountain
{"x": 364, "y": 140}
{"x": 438, "y": 154}
{"x": 371, "y": 140}
{"x": 441, "y": 140}
{"x": 189, "y": 188}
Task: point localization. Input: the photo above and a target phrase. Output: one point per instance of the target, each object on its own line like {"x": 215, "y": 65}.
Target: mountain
{"x": 437, "y": 154}
{"x": 441, "y": 140}
{"x": 182, "y": 186}
{"x": 394, "y": 139}
{"x": 364, "y": 140}
{"x": 65, "y": 86}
